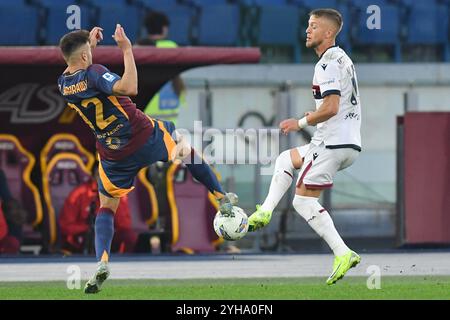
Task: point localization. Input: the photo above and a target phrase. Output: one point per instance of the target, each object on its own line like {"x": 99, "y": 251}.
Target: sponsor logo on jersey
{"x": 108, "y": 76}
{"x": 351, "y": 115}
{"x": 327, "y": 82}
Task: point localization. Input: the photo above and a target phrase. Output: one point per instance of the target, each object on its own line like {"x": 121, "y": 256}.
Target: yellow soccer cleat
{"x": 342, "y": 264}
{"x": 259, "y": 219}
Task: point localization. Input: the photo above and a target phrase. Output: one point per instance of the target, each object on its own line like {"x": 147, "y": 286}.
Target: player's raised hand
{"x": 95, "y": 36}
{"x": 289, "y": 125}
{"x": 121, "y": 38}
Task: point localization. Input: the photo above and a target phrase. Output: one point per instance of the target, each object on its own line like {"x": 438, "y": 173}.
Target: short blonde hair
{"x": 331, "y": 14}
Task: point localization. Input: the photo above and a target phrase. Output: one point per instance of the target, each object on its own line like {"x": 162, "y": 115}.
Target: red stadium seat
{"x": 57, "y": 144}
{"x": 193, "y": 209}
{"x": 65, "y": 142}
{"x": 64, "y": 172}
{"x": 143, "y": 203}
{"x": 17, "y": 163}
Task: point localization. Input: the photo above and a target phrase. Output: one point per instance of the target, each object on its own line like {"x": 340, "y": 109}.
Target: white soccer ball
{"x": 232, "y": 227}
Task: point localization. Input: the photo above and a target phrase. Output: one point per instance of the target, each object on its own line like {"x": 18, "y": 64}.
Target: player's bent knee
{"x": 284, "y": 163}
{"x": 296, "y": 158}
{"x": 307, "y": 207}
{"x": 109, "y": 203}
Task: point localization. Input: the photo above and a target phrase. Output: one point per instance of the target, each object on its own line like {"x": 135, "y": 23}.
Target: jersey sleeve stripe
{"x": 318, "y": 186}
{"x": 168, "y": 141}
{"x": 328, "y": 92}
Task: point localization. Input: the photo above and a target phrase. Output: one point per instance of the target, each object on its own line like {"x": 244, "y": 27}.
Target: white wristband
{"x": 302, "y": 123}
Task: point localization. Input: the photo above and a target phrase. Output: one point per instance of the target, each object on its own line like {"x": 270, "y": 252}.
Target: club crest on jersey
{"x": 113, "y": 143}
{"x": 316, "y": 92}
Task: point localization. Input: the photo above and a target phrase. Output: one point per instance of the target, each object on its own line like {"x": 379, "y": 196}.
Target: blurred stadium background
{"x": 412, "y": 31}
{"x": 396, "y": 194}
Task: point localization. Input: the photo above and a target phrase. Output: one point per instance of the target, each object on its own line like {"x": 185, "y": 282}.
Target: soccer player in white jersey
{"x": 334, "y": 146}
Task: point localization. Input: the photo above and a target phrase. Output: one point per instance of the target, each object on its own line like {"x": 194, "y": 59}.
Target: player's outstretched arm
{"x": 128, "y": 85}
{"x": 329, "y": 108}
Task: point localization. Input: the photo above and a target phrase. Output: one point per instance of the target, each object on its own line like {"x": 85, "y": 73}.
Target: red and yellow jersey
{"x": 119, "y": 127}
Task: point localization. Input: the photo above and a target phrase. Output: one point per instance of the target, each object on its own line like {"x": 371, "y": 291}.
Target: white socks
{"x": 319, "y": 219}
{"x": 281, "y": 181}
{"x": 308, "y": 207}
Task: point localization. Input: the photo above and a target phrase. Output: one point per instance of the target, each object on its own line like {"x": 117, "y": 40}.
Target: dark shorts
{"x": 117, "y": 177}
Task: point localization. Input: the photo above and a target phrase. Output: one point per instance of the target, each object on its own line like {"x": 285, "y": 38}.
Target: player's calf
{"x": 203, "y": 173}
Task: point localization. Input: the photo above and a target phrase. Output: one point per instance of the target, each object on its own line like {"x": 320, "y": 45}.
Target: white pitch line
{"x": 238, "y": 266}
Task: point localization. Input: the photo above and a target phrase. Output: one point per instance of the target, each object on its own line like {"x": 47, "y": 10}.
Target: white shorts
{"x": 321, "y": 164}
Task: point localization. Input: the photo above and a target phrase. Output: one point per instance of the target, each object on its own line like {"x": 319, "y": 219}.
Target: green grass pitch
{"x": 406, "y": 287}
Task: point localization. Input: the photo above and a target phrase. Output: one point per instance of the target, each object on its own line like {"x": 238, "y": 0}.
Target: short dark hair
{"x": 71, "y": 41}
{"x": 155, "y": 21}
{"x": 330, "y": 14}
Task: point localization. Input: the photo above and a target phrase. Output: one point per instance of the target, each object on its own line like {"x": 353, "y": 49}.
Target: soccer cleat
{"x": 342, "y": 264}
{"x": 227, "y": 202}
{"x": 259, "y": 219}
{"x": 95, "y": 283}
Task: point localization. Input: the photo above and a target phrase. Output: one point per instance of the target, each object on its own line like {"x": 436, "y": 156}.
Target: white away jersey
{"x": 335, "y": 74}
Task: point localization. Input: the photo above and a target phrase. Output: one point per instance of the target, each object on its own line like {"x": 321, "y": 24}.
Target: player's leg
{"x": 114, "y": 181}
{"x": 283, "y": 175}
{"x": 104, "y": 233}
{"x": 286, "y": 163}
{"x": 104, "y": 227}
{"x": 320, "y": 167}
{"x": 198, "y": 167}
{"x": 201, "y": 171}
{"x": 307, "y": 205}
{"x": 178, "y": 148}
